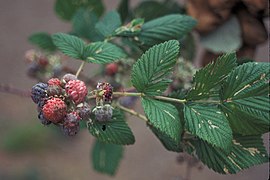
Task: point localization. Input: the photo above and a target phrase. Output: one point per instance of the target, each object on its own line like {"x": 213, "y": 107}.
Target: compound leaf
{"x": 246, "y": 151}
{"x": 115, "y": 131}
{"x": 164, "y": 122}
{"x": 150, "y": 72}
{"x": 43, "y": 41}
{"x": 70, "y": 45}
{"x": 106, "y": 157}
{"x": 210, "y": 124}
{"x": 211, "y": 76}
{"x": 103, "y": 53}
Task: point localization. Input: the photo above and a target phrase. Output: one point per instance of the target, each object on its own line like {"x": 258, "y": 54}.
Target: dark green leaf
{"x": 106, "y": 157}
{"x": 150, "y": 72}
{"x": 103, "y": 53}
{"x": 43, "y": 41}
{"x": 164, "y": 122}
{"x": 165, "y": 28}
{"x": 109, "y": 24}
{"x": 188, "y": 48}
{"x": 245, "y": 98}
{"x": 210, "y": 124}
{"x": 66, "y": 9}
{"x": 115, "y": 131}
{"x": 226, "y": 38}
{"x": 123, "y": 9}
{"x": 83, "y": 24}
{"x": 247, "y": 151}
{"x": 211, "y": 76}
{"x": 71, "y": 46}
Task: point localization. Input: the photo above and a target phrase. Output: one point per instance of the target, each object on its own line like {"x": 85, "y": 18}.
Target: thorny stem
{"x": 132, "y": 112}
{"x": 80, "y": 68}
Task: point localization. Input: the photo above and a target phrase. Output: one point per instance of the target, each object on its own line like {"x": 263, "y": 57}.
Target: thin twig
{"x": 80, "y": 68}
{"x": 132, "y": 112}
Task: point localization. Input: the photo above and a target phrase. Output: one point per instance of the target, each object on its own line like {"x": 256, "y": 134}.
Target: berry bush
{"x": 216, "y": 114}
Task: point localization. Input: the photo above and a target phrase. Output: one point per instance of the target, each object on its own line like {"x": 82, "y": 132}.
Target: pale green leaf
{"x": 245, "y": 98}
{"x": 208, "y": 123}
{"x": 246, "y": 152}
{"x": 164, "y": 121}
{"x": 106, "y": 157}
{"x": 150, "y": 72}
{"x": 115, "y": 131}
{"x": 70, "y": 45}
{"x": 43, "y": 41}
{"x": 211, "y": 76}
{"x": 225, "y": 38}
{"x": 165, "y": 28}
{"x": 109, "y": 24}
{"x": 103, "y": 53}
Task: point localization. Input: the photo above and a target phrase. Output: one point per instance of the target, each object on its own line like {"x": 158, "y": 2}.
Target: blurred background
{"x": 30, "y": 151}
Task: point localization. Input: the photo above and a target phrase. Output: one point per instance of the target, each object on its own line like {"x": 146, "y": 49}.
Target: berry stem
{"x": 80, "y": 68}
{"x": 132, "y": 112}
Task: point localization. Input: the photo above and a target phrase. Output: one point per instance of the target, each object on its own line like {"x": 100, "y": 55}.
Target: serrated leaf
{"x": 165, "y": 28}
{"x": 66, "y": 9}
{"x": 208, "y": 123}
{"x": 106, "y": 157}
{"x": 83, "y": 25}
{"x": 225, "y": 38}
{"x": 103, "y": 53}
{"x": 211, "y": 76}
{"x": 43, "y": 41}
{"x": 70, "y": 45}
{"x": 109, "y": 24}
{"x": 123, "y": 9}
{"x": 164, "y": 122}
{"x": 115, "y": 131}
{"x": 150, "y": 72}
{"x": 246, "y": 152}
{"x": 245, "y": 98}
{"x": 188, "y": 47}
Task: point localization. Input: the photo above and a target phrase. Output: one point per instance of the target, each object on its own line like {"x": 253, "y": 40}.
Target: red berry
{"x": 76, "y": 90}
{"x": 54, "y": 110}
{"x": 111, "y": 69}
{"x": 107, "y": 91}
{"x": 54, "y": 81}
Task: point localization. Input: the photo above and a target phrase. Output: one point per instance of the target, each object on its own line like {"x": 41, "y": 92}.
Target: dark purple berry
{"x": 84, "y": 111}
{"x": 38, "y": 92}
{"x": 71, "y": 124}
{"x": 103, "y": 113}
{"x": 54, "y": 90}
{"x": 33, "y": 69}
{"x": 106, "y": 90}
{"x": 42, "y": 119}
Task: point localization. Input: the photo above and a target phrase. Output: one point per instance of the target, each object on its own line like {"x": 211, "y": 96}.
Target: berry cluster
{"x": 103, "y": 110}
{"x": 61, "y": 102}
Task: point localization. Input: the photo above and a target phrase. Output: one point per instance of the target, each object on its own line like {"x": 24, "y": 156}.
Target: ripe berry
{"x": 68, "y": 77}
{"x": 111, "y": 69}
{"x": 38, "y": 92}
{"x": 76, "y": 90}
{"x": 84, "y": 111}
{"x": 103, "y": 113}
{"x": 54, "y": 81}
{"x": 42, "y": 119}
{"x": 71, "y": 124}
{"x": 54, "y": 110}
{"x": 106, "y": 90}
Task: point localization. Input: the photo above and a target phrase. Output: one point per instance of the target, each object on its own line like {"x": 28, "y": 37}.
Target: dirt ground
{"x": 70, "y": 160}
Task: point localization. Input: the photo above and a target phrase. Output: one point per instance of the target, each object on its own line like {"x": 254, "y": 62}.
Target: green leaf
{"x": 150, "y": 72}
{"x": 103, "y": 53}
{"x": 83, "y": 25}
{"x": 210, "y": 124}
{"x": 66, "y": 9}
{"x": 245, "y": 98}
{"x": 164, "y": 122}
{"x": 165, "y": 28}
{"x": 106, "y": 157}
{"x": 225, "y": 38}
{"x": 246, "y": 152}
{"x": 188, "y": 47}
{"x": 43, "y": 41}
{"x": 115, "y": 131}
{"x": 212, "y": 76}
{"x": 71, "y": 46}
{"x": 123, "y": 9}
{"x": 109, "y": 24}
